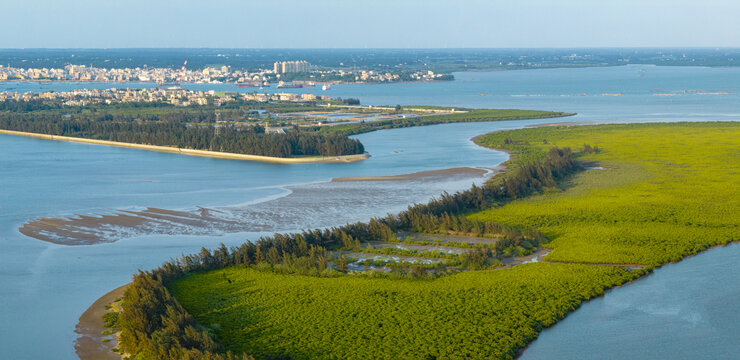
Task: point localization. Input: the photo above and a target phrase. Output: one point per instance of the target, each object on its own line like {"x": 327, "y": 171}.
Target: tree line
{"x": 469, "y": 115}
{"x": 154, "y": 326}
{"x": 191, "y": 129}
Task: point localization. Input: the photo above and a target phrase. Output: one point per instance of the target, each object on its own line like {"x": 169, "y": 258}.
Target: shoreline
{"x": 424, "y": 174}
{"x": 539, "y": 255}
{"x": 100, "y": 228}
{"x": 561, "y": 123}
{"x": 193, "y": 152}
{"x": 89, "y": 344}
{"x": 647, "y": 272}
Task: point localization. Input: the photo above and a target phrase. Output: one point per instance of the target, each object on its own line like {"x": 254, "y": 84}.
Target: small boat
{"x": 326, "y": 87}
{"x": 282, "y": 85}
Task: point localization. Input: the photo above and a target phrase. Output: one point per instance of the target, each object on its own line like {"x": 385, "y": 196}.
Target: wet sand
{"x": 89, "y": 345}
{"x": 465, "y": 171}
{"x": 306, "y": 206}
{"x": 88, "y": 230}
{"x": 560, "y": 123}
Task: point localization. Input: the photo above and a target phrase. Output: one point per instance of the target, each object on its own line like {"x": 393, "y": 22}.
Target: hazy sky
{"x": 368, "y": 23}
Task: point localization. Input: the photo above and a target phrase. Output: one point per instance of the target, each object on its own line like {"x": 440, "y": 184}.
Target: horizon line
{"x": 378, "y": 48}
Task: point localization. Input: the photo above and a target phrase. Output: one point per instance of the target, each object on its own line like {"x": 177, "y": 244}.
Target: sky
{"x": 368, "y": 23}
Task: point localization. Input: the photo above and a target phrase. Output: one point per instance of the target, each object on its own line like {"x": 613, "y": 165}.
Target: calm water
{"x": 687, "y": 310}
{"x": 46, "y": 287}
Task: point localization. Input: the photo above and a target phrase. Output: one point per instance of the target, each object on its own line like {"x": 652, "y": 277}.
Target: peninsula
{"x": 281, "y": 131}
{"x": 630, "y": 200}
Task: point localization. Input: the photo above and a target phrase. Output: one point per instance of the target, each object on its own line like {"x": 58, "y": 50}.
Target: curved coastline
{"x": 193, "y": 152}
{"x": 98, "y": 228}
{"x": 90, "y": 345}
{"x": 648, "y": 272}
{"x": 644, "y": 270}
{"x": 423, "y": 174}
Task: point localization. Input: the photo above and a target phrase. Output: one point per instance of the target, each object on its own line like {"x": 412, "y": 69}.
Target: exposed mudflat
{"x": 559, "y": 123}
{"x": 305, "y": 206}
{"x": 89, "y": 345}
{"x": 460, "y": 171}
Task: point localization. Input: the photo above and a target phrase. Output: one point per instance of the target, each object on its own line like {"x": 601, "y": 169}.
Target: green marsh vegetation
{"x": 665, "y": 191}
{"x": 154, "y": 325}
{"x": 475, "y": 314}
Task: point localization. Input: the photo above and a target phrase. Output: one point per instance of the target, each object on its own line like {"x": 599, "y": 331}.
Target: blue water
{"x": 555, "y": 90}
{"x": 687, "y": 310}
{"x": 46, "y": 287}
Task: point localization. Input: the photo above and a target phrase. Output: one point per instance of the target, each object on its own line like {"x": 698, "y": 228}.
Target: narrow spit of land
{"x": 659, "y": 193}
{"x": 423, "y": 174}
{"x": 240, "y": 131}
{"x": 194, "y": 152}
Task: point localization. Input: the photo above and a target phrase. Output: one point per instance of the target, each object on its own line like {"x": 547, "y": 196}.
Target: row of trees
{"x": 469, "y": 115}
{"x": 154, "y": 326}
{"x": 180, "y": 129}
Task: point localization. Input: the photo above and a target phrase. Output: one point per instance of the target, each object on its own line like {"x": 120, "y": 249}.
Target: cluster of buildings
{"x": 145, "y": 74}
{"x": 208, "y": 75}
{"x": 283, "y": 67}
{"x": 173, "y": 95}
{"x": 373, "y": 76}
{"x": 82, "y": 97}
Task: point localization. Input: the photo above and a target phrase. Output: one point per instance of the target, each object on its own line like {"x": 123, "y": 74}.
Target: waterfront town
{"x": 173, "y": 95}
{"x": 299, "y": 71}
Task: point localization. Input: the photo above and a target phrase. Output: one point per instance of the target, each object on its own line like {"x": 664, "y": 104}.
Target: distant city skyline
{"x": 377, "y": 24}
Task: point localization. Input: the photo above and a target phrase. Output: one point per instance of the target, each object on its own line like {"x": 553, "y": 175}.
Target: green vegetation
{"x": 177, "y": 129}
{"x": 471, "y": 115}
{"x": 155, "y": 326}
{"x": 666, "y": 191}
{"x": 486, "y": 314}
{"x": 110, "y": 319}
{"x": 233, "y": 128}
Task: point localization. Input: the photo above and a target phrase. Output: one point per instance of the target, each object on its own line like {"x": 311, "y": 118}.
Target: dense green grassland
{"x": 480, "y": 314}
{"x": 666, "y": 191}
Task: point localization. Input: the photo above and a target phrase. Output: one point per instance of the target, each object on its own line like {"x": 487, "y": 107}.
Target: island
{"x": 227, "y": 125}
{"x": 475, "y": 274}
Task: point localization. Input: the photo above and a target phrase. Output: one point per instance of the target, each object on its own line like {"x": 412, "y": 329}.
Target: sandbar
{"x": 193, "y": 152}
{"x": 467, "y": 171}
{"x": 559, "y": 123}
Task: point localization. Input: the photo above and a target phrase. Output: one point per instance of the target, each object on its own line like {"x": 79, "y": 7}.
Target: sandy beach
{"x": 89, "y": 345}
{"x": 559, "y": 123}
{"x": 192, "y": 152}
{"x": 464, "y": 171}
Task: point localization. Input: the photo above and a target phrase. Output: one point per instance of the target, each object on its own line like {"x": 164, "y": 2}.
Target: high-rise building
{"x": 282, "y": 67}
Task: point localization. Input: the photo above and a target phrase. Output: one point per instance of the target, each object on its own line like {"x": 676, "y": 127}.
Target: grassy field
{"x": 485, "y": 314}
{"x": 665, "y": 191}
